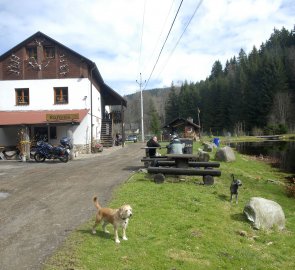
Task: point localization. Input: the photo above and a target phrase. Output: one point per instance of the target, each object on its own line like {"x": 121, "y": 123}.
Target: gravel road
{"x": 41, "y": 203}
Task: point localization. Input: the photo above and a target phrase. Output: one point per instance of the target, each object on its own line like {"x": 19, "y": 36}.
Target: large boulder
{"x": 265, "y": 214}
{"x": 225, "y": 154}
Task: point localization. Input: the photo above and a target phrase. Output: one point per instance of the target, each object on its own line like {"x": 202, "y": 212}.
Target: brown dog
{"x": 117, "y": 217}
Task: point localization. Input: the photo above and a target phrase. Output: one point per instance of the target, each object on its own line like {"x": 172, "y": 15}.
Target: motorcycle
{"x": 45, "y": 150}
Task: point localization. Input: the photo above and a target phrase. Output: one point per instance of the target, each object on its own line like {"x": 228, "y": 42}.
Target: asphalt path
{"x": 41, "y": 203}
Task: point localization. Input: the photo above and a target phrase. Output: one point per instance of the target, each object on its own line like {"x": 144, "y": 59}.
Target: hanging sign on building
{"x": 62, "y": 117}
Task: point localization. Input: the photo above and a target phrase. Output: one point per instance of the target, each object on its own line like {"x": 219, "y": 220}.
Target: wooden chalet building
{"x": 185, "y": 128}
{"x": 48, "y": 90}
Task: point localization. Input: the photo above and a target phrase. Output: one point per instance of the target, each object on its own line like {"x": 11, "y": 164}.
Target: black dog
{"x": 234, "y": 188}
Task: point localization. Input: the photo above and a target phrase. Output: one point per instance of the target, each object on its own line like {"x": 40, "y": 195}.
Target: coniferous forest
{"x": 253, "y": 93}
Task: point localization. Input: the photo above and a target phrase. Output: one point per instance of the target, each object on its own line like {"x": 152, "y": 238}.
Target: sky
{"x": 142, "y": 44}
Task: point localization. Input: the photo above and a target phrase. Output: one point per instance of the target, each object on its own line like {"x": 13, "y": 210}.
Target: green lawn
{"x": 182, "y": 224}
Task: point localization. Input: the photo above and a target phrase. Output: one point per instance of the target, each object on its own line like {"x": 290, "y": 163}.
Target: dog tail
{"x": 96, "y": 203}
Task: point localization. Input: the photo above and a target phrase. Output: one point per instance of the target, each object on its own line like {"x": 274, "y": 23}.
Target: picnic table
{"x": 151, "y": 147}
{"x": 182, "y": 160}
{"x": 182, "y": 165}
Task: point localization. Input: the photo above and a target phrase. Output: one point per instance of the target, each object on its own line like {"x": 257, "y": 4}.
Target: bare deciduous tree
{"x": 281, "y": 108}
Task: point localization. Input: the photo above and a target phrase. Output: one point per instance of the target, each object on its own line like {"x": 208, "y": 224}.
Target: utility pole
{"x": 199, "y": 122}
{"x": 91, "y": 110}
{"x": 141, "y": 106}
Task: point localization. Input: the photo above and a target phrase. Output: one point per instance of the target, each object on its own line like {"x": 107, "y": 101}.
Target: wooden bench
{"x": 148, "y": 160}
{"x": 146, "y": 148}
{"x": 153, "y": 158}
{"x": 183, "y": 164}
{"x": 172, "y": 163}
{"x": 208, "y": 174}
{"x": 184, "y": 171}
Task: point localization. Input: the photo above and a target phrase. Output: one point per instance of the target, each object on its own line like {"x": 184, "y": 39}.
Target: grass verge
{"x": 182, "y": 224}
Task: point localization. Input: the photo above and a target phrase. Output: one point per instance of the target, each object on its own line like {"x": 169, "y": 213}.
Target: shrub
{"x": 275, "y": 129}
{"x": 291, "y": 190}
{"x": 290, "y": 187}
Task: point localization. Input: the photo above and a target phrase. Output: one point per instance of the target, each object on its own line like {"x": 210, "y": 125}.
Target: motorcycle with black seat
{"x": 45, "y": 150}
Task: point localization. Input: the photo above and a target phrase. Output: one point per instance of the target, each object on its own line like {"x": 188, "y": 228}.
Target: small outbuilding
{"x": 185, "y": 128}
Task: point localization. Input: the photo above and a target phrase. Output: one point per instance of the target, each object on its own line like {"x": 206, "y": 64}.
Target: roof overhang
{"x": 180, "y": 122}
{"x": 19, "y": 118}
{"x": 111, "y": 97}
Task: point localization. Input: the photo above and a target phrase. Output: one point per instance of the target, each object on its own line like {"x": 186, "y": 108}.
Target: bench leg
{"x": 159, "y": 178}
{"x": 146, "y": 164}
{"x": 181, "y": 163}
{"x": 208, "y": 180}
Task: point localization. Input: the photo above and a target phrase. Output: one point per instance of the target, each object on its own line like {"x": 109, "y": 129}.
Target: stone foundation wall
{"x": 81, "y": 149}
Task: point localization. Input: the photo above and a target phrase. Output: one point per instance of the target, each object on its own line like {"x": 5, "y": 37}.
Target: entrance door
{"x": 41, "y": 133}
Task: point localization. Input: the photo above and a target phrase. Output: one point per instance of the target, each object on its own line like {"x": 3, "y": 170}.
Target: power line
{"x": 141, "y": 38}
{"x": 163, "y": 45}
{"x": 160, "y": 33}
{"x": 195, "y": 11}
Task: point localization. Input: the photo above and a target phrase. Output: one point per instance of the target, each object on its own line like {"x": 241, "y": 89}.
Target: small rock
{"x": 242, "y": 233}
{"x": 273, "y": 181}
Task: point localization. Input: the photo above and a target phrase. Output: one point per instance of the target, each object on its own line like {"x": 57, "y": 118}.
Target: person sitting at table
{"x": 175, "y": 146}
{"x": 153, "y": 142}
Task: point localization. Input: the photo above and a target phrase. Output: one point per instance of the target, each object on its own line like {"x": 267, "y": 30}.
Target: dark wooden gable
{"x": 180, "y": 123}
{"x": 41, "y": 57}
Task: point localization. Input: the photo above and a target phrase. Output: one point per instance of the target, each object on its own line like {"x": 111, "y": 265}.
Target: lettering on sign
{"x": 62, "y": 117}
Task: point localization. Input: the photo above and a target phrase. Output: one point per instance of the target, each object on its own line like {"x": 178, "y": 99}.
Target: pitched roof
{"x": 96, "y": 74}
{"x": 180, "y": 121}
{"x": 14, "y": 118}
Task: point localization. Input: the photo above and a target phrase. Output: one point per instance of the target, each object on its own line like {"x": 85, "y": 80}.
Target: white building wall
{"x": 41, "y": 94}
{"x": 97, "y": 114}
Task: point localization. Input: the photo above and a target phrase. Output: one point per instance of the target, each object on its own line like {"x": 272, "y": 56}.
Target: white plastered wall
{"x": 42, "y": 98}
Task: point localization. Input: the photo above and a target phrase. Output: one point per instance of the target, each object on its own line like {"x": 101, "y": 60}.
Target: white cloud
{"x": 109, "y": 32}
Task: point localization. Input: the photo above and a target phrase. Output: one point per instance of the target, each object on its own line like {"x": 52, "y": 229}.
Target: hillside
{"x": 253, "y": 93}
{"x": 153, "y": 97}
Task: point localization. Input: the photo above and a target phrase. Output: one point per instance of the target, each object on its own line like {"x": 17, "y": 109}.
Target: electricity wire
{"x": 163, "y": 44}
{"x": 189, "y": 21}
{"x": 141, "y": 38}
{"x": 156, "y": 45}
